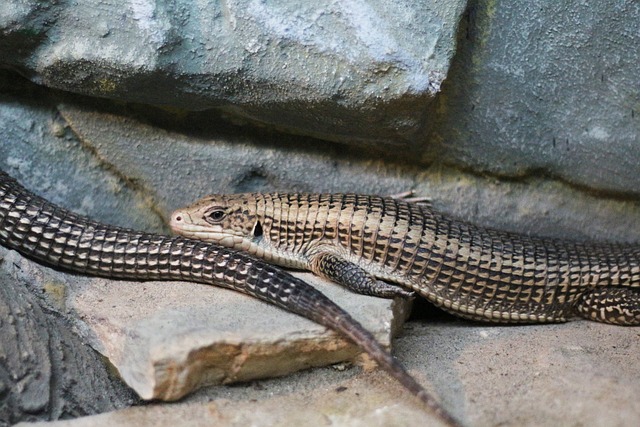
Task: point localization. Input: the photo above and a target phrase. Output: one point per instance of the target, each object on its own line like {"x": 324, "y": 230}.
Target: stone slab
{"x": 167, "y": 339}
{"x": 579, "y": 373}
{"x": 183, "y": 168}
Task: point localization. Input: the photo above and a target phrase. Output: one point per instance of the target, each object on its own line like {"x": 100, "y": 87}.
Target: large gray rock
{"x": 545, "y": 87}
{"x": 534, "y": 89}
{"x": 360, "y": 70}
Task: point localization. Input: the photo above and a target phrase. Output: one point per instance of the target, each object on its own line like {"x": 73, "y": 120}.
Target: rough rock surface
{"x": 46, "y": 371}
{"x": 123, "y": 167}
{"x": 545, "y": 87}
{"x": 165, "y": 343}
{"x": 578, "y": 373}
{"x": 367, "y": 68}
{"x": 35, "y": 142}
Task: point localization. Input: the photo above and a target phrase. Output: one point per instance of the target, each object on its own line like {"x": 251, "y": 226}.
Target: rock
{"x": 534, "y": 90}
{"x": 133, "y": 171}
{"x": 176, "y": 169}
{"x": 545, "y": 88}
{"x": 578, "y": 373}
{"x": 362, "y": 71}
{"x": 345, "y": 404}
{"x": 46, "y": 371}
{"x": 38, "y": 148}
{"x": 167, "y": 339}
{"x": 183, "y": 168}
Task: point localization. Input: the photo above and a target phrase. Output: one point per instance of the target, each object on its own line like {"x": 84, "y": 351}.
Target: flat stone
{"x": 579, "y": 373}
{"x": 167, "y": 339}
{"x": 183, "y": 168}
{"x": 177, "y": 168}
{"x": 354, "y": 406}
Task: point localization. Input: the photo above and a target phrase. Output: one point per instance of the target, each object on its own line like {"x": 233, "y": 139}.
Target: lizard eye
{"x": 215, "y": 215}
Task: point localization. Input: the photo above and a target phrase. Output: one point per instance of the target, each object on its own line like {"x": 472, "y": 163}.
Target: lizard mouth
{"x": 181, "y": 224}
{"x": 196, "y": 232}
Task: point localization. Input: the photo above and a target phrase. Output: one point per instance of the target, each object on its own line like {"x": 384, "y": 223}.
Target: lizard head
{"x": 229, "y": 220}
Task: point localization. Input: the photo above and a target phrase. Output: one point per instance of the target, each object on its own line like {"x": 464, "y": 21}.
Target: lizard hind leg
{"x": 337, "y": 269}
{"x": 618, "y": 306}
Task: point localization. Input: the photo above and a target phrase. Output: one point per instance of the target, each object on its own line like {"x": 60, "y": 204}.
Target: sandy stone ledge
{"x": 167, "y": 339}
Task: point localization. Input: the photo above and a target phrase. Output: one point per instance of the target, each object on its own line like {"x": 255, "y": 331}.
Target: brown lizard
{"x": 470, "y": 271}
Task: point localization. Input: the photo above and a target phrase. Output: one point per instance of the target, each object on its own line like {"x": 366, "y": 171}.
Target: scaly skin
{"x": 473, "y": 272}
{"x": 59, "y": 238}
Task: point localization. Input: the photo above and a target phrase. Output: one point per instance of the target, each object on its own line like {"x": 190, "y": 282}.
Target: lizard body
{"x": 386, "y": 247}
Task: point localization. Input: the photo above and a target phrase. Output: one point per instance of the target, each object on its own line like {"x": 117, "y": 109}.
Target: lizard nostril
{"x": 178, "y": 218}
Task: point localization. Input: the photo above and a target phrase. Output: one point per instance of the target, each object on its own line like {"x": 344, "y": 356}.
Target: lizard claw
{"x": 406, "y": 294}
{"x": 410, "y": 197}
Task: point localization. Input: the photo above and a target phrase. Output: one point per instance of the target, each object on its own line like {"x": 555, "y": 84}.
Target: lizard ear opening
{"x": 257, "y": 229}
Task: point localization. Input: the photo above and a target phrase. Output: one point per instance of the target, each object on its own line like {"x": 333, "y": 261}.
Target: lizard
{"x": 56, "y": 237}
{"x": 386, "y": 247}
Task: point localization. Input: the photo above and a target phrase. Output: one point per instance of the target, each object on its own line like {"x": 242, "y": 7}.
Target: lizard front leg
{"x": 335, "y": 268}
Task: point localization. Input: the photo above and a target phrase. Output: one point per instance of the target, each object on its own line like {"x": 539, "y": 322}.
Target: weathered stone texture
{"x": 545, "y": 88}
{"x": 578, "y": 373}
{"x": 358, "y": 70}
{"x": 46, "y": 371}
